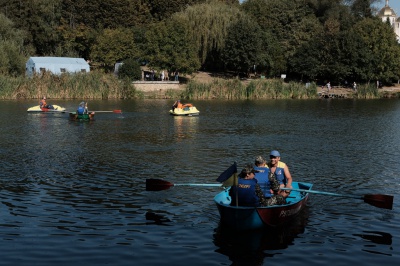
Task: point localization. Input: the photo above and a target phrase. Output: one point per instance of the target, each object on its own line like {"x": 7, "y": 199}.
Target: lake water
{"x": 73, "y": 193}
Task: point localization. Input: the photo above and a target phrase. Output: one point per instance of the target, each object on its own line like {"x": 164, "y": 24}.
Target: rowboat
{"x": 249, "y": 218}
{"x": 81, "y": 117}
{"x": 37, "y": 108}
{"x": 187, "y": 110}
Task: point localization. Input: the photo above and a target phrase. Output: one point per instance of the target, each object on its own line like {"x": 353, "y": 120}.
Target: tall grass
{"x": 97, "y": 85}
{"x": 93, "y": 85}
{"x": 255, "y": 89}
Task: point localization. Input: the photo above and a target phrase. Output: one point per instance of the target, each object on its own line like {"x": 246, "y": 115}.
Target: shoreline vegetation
{"x": 97, "y": 85}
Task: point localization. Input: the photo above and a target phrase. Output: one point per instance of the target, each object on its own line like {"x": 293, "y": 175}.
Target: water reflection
{"x": 185, "y": 127}
{"x": 249, "y": 247}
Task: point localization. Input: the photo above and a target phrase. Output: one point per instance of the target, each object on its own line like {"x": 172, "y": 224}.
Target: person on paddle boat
{"x": 279, "y": 169}
{"x": 43, "y": 104}
{"x": 82, "y": 108}
{"x": 244, "y": 192}
{"x": 177, "y": 104}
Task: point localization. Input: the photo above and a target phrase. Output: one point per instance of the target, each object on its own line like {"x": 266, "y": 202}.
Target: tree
{"x": 290, "y": 22}
{"x": 130, "y": 70}
{"x": 169, "y": 46}
{"x": 208, "y": 25}
{"x": 113, "y": 45}
{"x": 380, "y": 59}
{"x": 12, "y": 53}
{"x": 245, "y": 47}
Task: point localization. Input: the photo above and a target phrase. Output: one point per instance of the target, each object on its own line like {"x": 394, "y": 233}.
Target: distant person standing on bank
{"x": 176, "y": 75}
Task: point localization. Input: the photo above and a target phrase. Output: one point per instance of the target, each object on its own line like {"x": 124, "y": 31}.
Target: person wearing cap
{"x": 280, "y": 170}
{"x": 263, "y": 175}
{"x": 82, "y": 108}
{"x": 244, "y": 192}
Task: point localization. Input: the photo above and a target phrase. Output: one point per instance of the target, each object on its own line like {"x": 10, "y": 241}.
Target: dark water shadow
{"x": 253, "y": 247}
{"x": 158, "y": 219}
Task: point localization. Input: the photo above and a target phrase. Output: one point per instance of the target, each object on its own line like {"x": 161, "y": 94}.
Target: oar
{"x": 377, "y": 200}
{"x": 113, "y": 111}
{"x": 154, "y": 184}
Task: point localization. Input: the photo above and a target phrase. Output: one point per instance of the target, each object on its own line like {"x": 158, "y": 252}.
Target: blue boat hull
{"x": 248, "y": 218}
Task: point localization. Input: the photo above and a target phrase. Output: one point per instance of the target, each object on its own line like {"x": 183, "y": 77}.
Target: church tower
{"x": 388, "y": 14}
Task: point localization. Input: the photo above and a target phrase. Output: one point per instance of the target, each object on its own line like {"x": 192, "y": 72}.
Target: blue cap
{"x": 275, "y": 153}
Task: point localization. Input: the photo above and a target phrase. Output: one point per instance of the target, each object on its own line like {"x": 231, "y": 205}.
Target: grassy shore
{"x": 97, "y": 85}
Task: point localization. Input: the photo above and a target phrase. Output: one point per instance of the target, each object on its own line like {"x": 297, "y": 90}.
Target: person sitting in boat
{"x": 279, "y": 196}
{"x": 280, "y": 169}
{"x": 263, "y": 176}
{"x": 244, "y": 193}
{"x": 177, "y": 104}
{"x": 43, "y": 104}
{"x": 82, "y": 108}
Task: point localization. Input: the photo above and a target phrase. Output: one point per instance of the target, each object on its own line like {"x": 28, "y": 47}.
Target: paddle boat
{"x": 186, "y": 110}
{"x": 248, "y": 218}
{"x": 81, "y": 117}
{"x": 37, "y": 108}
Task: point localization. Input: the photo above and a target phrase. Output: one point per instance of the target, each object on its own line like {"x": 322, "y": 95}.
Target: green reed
{"x": 255, "y": 89}
{"x": 93, "y": 85}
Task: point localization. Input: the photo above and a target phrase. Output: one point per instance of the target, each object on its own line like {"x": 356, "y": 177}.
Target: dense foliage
{"x": 335, "y": 40}
{"x": 130, "y": 70}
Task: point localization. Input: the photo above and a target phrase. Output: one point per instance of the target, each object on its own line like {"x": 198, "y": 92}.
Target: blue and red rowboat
{"x": 248, "y": 218}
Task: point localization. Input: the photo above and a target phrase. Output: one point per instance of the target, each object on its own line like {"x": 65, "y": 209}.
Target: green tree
{"x": 39, "y": 18}
{"x": 12, "y": 53}
{"x": 291, "y": 22}
{"x": 101, "y": 14}
{"x": 380, "y": 59}
{"x": 208, "y": 25}
{"x": 169, "y": 46}
{"x": 245, "y": 47}
{"x": 113, "y": 45}
{"x": 130, "y": 70}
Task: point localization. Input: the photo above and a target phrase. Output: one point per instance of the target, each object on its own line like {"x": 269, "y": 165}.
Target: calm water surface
{"x": 73, "y": 193}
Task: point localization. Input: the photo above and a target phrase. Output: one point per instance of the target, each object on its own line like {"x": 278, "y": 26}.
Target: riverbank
{"x": 166, "y": 90}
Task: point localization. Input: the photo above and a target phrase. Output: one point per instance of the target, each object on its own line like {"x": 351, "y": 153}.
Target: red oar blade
{"x": 379, "y": 200}
{"x": 117, "y": 111}
{"x": 153, "y": 184}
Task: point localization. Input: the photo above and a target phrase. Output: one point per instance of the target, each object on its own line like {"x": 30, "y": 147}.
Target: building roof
{"x": 387, "y": 11}
{"x": 58, "y": 60}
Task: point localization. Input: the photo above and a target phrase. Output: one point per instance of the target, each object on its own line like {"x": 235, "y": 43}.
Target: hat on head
{"x": 275, "y": 153}
{"x": 259, "y": 160}
{"x": 247, "y": 170}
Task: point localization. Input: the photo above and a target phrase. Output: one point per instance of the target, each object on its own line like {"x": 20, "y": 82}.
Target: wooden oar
{"x": 377, "y": 200}
{"x": 154, "y": 184}
{"x": 113, "y": 111}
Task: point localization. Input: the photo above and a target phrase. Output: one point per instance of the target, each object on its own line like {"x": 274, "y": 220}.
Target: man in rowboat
{"x": 268, "y": 183}
{"x": 82, "y": 108}
{"x": 280, "y": 169}
{"x": 248, "y": 193}
{"x": 244, "y": 192}
{"x": 278, "y": 198}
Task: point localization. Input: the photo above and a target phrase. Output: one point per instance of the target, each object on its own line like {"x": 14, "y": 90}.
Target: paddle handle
{"x": 324, "y": 193}
{"x": 114, "y": 111}
{"x": 199, "y": 185}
